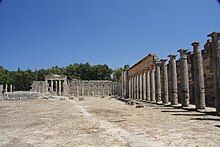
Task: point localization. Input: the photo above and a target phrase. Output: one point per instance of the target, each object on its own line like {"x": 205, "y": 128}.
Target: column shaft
{"x": 152, "y": 84}
{"x": 129, "y": 84}
{"x": 198, "y": 77}
{"x": 158, "y": 82}
{"x": 141, "y": 86}
{"x": 60, "y": 87}
{"x": 138, "y": 87}
{"x": 184, "y": 78}
{"x": 173, "y": 80}
{"x": 165, "y": 82}
{"x": 148, "y": 92}
{"x": 122, "y": 84}
{"x": 51, "y": 86}
{"x": 144, "y": 86}
{"x": 11, "y": 88}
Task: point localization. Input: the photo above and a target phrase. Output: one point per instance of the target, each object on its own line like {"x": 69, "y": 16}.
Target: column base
{"x": 160, "y": 103}
{"x": 167, "y": 104}
{"x": 153, "y": 102}
{"x": 176, "y": 106}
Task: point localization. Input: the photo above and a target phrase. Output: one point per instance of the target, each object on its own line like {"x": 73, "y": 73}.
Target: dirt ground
{"x": 101, "y": 122}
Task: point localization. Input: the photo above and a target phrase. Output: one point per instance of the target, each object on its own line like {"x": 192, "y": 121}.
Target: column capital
{"x": 163, "y": 61}
{"x": 183, "y": 53}
{"x": 172, "y": 56}
{"x": 182, "y": 50}
{"x": 214, "y": 34}
{"x": 195, "y": 44}
{"x": 157, "y": 62}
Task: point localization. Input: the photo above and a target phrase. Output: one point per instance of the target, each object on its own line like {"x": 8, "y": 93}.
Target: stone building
{"x": 54, "y": 84}
{"x": 58, "y": 85}
{"x": 192, "y": 79}
{"x": 93, "y": 87}
{"x": 6, "y": 88}
{"x": 124, "y": 82}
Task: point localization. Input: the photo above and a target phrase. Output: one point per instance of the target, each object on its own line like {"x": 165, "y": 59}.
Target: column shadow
{"x": 209, "y": 119}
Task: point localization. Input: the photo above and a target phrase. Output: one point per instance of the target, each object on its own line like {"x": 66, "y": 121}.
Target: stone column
{"x": 138, "y": 89}
{"x": 165, "y": 81}
{"x": 60, "y": 87}
{"x": 122, "y": 84}
{"x": 144, "y": 86}
{"x": 51, "y": 87}
{"x": 6, "y": 87}
{"x": 198, "y": 77}
{"x": 141, "y": 87}
{"x": 46, "y": 85}
{"x": 77, "y": 90}
{"x": 173, "y": 80}
{"x": 129, "y": 84}
{"x": 184, "y": 78}
{"x": 216, "y": 62}
{"x": 65, "y": 87}
{"x": 158, "y": 82}
{"x": 56, "y": 87}
{"x": 148, "y": 86}
{"x": 82, "y": 90}
{"x": 11, "y": 88}
{"x": 132, "y": 87}
{"x": 152, "y": 84}
{"x": 135, "y": 95}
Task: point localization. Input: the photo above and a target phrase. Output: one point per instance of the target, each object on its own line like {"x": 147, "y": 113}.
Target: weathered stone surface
{"x": 216, "y": 62}
{"x": 152, "y": 84}
{"x": 148, "y": 92}
{"x": 184, "y": 78}
{"x": 20, "y": 95}
{"x": 85, "y": 87}
{"x": 165, "y": 94}
{"x": 198, "y": 80}
{"x": 158, "y": 82}
{"x": 173, "y": 80}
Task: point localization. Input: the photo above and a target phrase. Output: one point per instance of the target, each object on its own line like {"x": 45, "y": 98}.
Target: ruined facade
{"x": 6, "y": 88}
{"x": 58, "y": 85}
{"x": 93, "y": 87}
{"x": 192, "y": 79}
{"x": 54, "y": 84}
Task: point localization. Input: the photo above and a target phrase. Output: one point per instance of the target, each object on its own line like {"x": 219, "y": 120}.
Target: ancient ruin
{"x": 59, "y": 86}
{"x": 93, "y": 88}
{"x": 191, "y": 80}
{"x": 166, "y": 93}
{"x": 54, "y": 84}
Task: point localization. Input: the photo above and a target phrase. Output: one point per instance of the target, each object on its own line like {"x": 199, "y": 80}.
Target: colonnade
{"x": 55, "y": 86}
{"x": 155, "y": 85}
{"x": 8, "y": 88}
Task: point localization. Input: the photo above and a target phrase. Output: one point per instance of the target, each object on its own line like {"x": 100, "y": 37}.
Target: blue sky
{"x": 44, "y": 33}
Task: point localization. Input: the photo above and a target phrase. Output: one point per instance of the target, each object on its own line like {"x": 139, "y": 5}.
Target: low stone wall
{"x": 19, "y": 95}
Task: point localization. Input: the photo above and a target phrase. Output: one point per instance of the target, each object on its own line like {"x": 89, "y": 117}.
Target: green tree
{"x": 117, "y": 74}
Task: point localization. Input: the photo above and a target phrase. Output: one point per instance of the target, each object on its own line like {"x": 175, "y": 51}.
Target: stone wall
{"x": 92, "y": 87}
{"x": 38, "y": 86}
{"x": 19, "y": 95}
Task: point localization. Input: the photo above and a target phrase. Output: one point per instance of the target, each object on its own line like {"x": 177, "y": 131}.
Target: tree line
{"x": 22, "y": 79}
